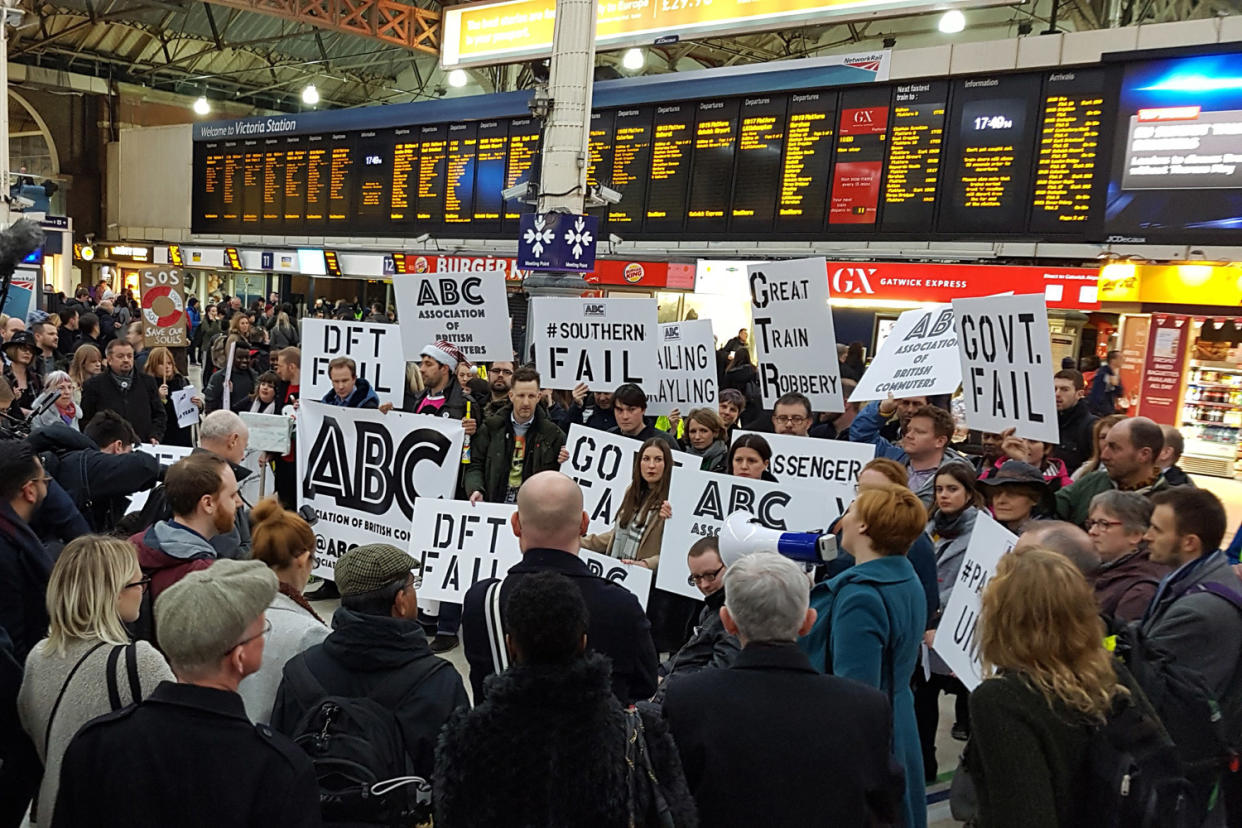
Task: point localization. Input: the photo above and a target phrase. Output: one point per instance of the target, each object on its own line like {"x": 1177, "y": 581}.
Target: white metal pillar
{"x": 7, "y": 9}
{"x": 568, "y": 127}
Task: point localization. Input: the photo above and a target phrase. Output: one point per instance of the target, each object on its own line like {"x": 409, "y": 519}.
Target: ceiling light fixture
{"x": 310, "y": 95}
{"x": 952, "y": 21}
{"x": 634, "y": 59}
{"x": 458, "y": 78}
{"x": 202, "y": 106}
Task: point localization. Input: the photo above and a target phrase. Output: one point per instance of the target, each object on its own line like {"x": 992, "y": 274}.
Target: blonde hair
{"x": 1039, "y": 618}
{"x": 83, "y": 589}
{"x": 155, "y": 360}
{"x": 83, "y": 355}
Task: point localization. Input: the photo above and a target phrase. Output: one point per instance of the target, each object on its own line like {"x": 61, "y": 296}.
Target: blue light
{"x": 1194, "y": 83}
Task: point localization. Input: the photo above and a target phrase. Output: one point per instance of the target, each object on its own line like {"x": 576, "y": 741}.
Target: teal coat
{"x": 866, "y": 613}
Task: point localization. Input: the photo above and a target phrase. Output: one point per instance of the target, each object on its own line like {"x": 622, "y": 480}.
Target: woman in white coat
{"x": 286, "y": 543}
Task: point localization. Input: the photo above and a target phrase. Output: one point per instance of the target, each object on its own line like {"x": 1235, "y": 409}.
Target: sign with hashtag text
{"x": 601, "y": 342}
{"x": 557, "y": 242}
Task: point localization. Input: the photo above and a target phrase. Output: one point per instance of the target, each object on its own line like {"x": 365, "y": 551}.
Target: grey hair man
{"x": 1170, "y": 455}
{"x": 225, "y": 435}
{"x": 736, "y": 727}
{"x": 128, "y": 768}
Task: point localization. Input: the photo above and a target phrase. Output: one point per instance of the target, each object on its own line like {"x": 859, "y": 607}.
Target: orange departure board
{"x": 1068, "y": 151}
{"x": 915, "y": 151}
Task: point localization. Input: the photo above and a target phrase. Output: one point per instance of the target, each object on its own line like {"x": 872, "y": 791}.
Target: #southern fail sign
{"x": 601, "y": 342}
{"x": 794, "y": 338}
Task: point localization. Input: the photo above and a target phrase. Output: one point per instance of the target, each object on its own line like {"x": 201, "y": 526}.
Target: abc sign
{"x": 853, "y": 280}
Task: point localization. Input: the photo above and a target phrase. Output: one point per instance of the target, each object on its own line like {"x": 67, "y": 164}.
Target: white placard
{"x": 702, "y": 500}
{"x": 268, "y": 432}
{"x": 835, "y": 462}
{"x": 459, "y": 544}
{"x": 187, "y": 411}
{"x": 469, "y": 309}
{"x": 918, "y": 357}
{"x": 362, "y": 472}
{"x": 374, "y": 346}
{"x": 603, "y": 466}
{"x": 956, "y": 640}
{"x": 1007, "y": 368}
{"x": 167, "y": 455}
{"x": 602, "y": 342}
{"x": 686, "y": 368}
{"x": 795, "y": 343}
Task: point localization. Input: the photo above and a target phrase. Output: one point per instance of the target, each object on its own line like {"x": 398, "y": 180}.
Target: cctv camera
{"x": 520, "y": 192}
{"x": 22, "y": 203}
{"x": 420, "y": 238}
{"x": 599, "y": 194}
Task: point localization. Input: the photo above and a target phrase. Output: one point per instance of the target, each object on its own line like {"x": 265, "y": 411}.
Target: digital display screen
{"x": 459, "y": 181}
{"x": 489, "y": 176}
{"x": 404, "y": 177}
{"x": 1177, "y": 156}
{"x": 374, "y": 180}
{"x": 432, "y": 174}
{"x": 1068, "y": 160}
{"x": 672, "y": 146}
{"x": 318, "y": 172}
{"x": 295, "y": 183}
{"x": 599, "y": 158}
{"x": 631, "y": 165}
{"x": 859, "y": 161}
{"x": 711, "y": 177}
{"x": 272, "y": 212}
{"x": 761, "y": 139}
{"x": 915, "y": 150}
{"x": 523, "y": 163}
{"x": 231, "y": 186}
{"x": 340, "y": 187}
{"x": 988, "y": 156}
{"x": 803, "y": 196}
{"x": 252, "y": 184}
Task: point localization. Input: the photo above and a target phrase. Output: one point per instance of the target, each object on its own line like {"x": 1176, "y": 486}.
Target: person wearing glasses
{"x": 1127, "y": 577}
{"x": 710, "y": 645}
{"x": 792, "y": 415}
{"x": 286, "y": 543}
{"x": 95, "y": 589}
{"x": 187, "y": 755}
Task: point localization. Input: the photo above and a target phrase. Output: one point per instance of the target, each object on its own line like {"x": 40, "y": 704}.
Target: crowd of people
{"x": 166, "y": 665}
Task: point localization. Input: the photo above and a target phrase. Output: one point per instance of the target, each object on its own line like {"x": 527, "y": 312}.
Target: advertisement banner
{"x": 794, "y": 339}
{"x": 1062, "y": 287}
{"x": 918, "y": 358}
{"x": 956, "y": 639}
{"x": 602, "y": 464}
{"x": 163, "y": 308}
{"x": 375, "y": 348}
{"x": 468, "y": 309}
{"x": 363, "y": 471}
{"x": 1135, "y": 329}
{"x": 1007, "y": 368}
{"x": 686, "y": 377}
{"x": 601, "y": 342}
{"x": 1163, "y": 368}
{"x": 702, "y": 500}
{"x": 460, "y": 544}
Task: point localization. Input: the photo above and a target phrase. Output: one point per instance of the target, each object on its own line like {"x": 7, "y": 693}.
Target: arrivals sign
{"x": 468, "y": 309}
{"x": 363, "y": 471}
{"x": 686, "y": 379}
{"x": 375, "y": 348}
{"x": 1007, "y": 368}
{"x": 601, "y": 342}
{"x": 794, "y": 339}
{"x": 460, "y": 544}
{"x": 918, "y": 357}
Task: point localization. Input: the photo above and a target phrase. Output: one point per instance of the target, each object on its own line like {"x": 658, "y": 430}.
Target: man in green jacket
{"x": 1129, "y": 458}
{"x": 513, "y": 444}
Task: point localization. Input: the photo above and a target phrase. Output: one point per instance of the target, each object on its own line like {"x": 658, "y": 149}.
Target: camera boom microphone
{"x": 22, "y": 238}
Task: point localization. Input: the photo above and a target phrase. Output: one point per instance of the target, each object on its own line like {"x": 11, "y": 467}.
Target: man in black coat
{"x": 549, "y": 523}
{"x": 133, "y": 395}
{"x": 757, "y": 740}
{"x": 25, "y": 565}
{"x": 188, "y": 755}
{"x": 1073, "y": 418}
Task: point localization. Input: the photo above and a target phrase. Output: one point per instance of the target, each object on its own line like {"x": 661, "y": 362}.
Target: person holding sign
{"x": 872, "y": 618}
{"x": 924, "y": 444}
{"x": 639, "y": 531}
{"x": 348, "y": 389}
{"x": 511, "y": 446}
{"x": 441, "y": 395}
{"x": 705, "y": 435}
{"x": 161, "y": 366}
{"x": 1044, "y": 696}
{"x": 749, "y": 457}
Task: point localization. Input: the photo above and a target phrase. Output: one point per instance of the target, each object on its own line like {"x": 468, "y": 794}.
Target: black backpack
{"x": 358, "y": 751}
{"x": 1135, "y": 779}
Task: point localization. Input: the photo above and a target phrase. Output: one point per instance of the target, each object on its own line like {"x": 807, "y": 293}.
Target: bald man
{"x": 1065, "y": 539}
{"x": 549, "y": 523}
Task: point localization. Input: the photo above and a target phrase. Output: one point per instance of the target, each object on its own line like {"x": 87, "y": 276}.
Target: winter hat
{"x": 445, "y": 353}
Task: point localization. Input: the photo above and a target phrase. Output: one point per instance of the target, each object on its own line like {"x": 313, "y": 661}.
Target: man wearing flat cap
{"x": 188, "y": 756}
{"x": 377, "y": 649}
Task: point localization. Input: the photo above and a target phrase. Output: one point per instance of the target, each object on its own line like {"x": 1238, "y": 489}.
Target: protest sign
{"x": 835, "y": 462}
{"x": 187, "y": 411}
{"x": 167, "y": 455}
{"x": 702, "y": 500}
{"x": 919, "y": 357}
{"x": 470, "y": 310}
{"x": 956, "y": 640}
{"x": 601, "y": 342}
{"x": 374, "y": 346}
{"x": 362, "y": 472}
{"x": 163, "y": 308}
{"x": 686, "y": 368}
{"x": 268, "y": 432}
{"x": 460, "y": 544}
{"x": 794, "y": 339}
{"x": 1007, "y": 368}
{"x": 603, "y": 466}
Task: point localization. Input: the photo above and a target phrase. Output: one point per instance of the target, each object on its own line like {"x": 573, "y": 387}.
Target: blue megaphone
{"x": 743, "y": 534}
